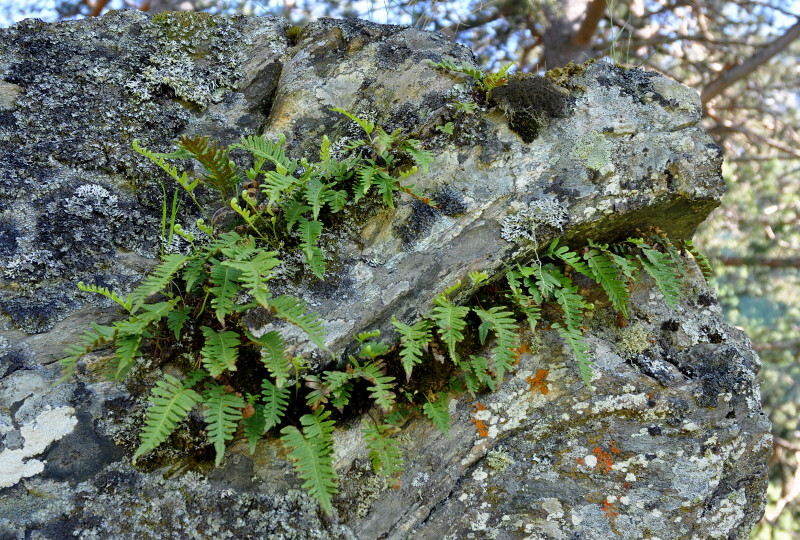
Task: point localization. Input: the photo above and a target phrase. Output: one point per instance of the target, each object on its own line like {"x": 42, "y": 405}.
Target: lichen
{"x": 562, "y": 76}
{"x": 595, "y": 150}
{"x": 525, "y": 223}
{"x": 634, "y": 339}
{"x": 499, "y": 460}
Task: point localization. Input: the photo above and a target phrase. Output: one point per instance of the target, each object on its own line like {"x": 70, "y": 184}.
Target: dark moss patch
{"x": 529, "y": 101}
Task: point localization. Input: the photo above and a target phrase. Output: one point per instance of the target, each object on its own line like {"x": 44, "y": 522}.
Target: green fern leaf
{"x": 309, "y": 239}
{"x": 504, "y": 326}
{"x": 221, "y": 173}
{"x": 170, "y": 403}
{"x": 220, "y": 351}
{"x": 292, "y": 211}
{"x": 413, "y": 340}
{"x": 311, "y": 452}
{"x": 577, "y": 344}
{"x": 450, "y": 320}
{"x": 273, "y": 151}
{"x": 386, "y": 185}
{"x": 276, "y": 185}
{"x": 293, "y": 310}
{"x": 125, "y": 356}
{"x": 194, "y": 273}
{"x": 659, "y": 266}
{"x": 91, "y": 341}
{"x": 439, "y": 412}
{"x": 364, "y": 178}
{"x": 701, "y": 260}
{"x": 569, "y": 257}
{"x": 606, "y": 274}
{"x": 176, "y": 319}
{"x": 529, "y": 305}
{"x": 316, "y": 194}
{"x": 273, "y": 355}
{"x": 223, "y": 412}
{"x": 158, "y": 279}
{"x": 423, "y": 158}
{"x": 126, "y": 303}
{"x": 339, "y": 387}
{"x": 275, "y": 402}
{"x": 225, "y": 288}
{"x": 384, "y": 452}
{"x": 255, "y": 273}
{"x": 476, "y": 374}
{"x": 366, "y": 125}
{"x": 382, "y": 385}
{"x": 254, "y": 425}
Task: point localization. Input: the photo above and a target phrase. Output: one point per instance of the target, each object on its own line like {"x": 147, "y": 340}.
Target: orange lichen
{"x": 604, "y": 461}
{"x": 608, "y": 509}
{"x": 614, "y": 449}
{"x": 538, "y": 382}
{"x": 481, "y": 425}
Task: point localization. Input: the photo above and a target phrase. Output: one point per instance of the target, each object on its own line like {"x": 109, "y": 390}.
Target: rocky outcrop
{"x": 671, "y": 443}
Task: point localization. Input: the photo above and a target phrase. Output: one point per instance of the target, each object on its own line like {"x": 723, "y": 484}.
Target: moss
{"x": 529, "y": 101}
{"x": 562, "y": 76}
{"x": 293, "y": 34}
{"x": 192, "y": 30}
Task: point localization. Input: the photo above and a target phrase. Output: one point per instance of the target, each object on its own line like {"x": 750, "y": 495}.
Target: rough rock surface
{"x": 672, "y": 442}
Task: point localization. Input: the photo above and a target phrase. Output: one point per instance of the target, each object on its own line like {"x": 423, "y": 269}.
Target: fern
{"x": 176, "y": 319}
{"x": 220, "y": 351}
{"x": 126, "y": 353}
{"x": 254, "y": 423}
{"x": 577, "y": 344}
{"x": 272, "y": 151}
{"x": 413, "y": 340}
{"x": 438, "y": 412}
{"x": 311, "y": 452}
{"x": 659, "y": 266}
{"x": 224, "y": 290}
{"x": 222, "y": 173}
{"x": 91, "y": 340}
{"x": 450, "y": 320}
{"x": 170, "y": 403}
{"x": 529, "y": 305}
{"x": 273, "y": 355}
{"x": 384, "y": 452}
{"x": 158, "y": 279}
{"x": 293, "y": 310}
{"x": 701, "y": 260}
{"x": 504, "y": 326}
{"x": 606, "y": 274}
{"x": 476, "y": 374}
{"x": 255, "y": 273}
{"x": 126, "y": 303}
{"x": 275, "y": 402}
{"x": 380, "y": 391}
{"x": 222, "y": 414}
{"x": 310, "y": 231}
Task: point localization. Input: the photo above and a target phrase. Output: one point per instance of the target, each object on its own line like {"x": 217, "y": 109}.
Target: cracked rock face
{"x": 671, "y": 443}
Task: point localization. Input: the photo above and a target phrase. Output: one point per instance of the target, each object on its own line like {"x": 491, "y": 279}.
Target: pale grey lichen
{"x": 524, "y": 224}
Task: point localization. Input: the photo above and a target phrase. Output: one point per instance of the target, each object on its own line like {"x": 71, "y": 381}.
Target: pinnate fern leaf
{"x": 222, "y": 414}
{"x": 255, "y": 423}
{"x": 275, "y": 402}
{"x": 273, "y": 355}
{"x": 659, "y": 266}
{"x": 504, "y": 326}
{"x": 225, "y": 288}
{"x": 439, "y": 412}
{"x": 255, "y": 273}
{"x": 220, "y": 351}
{"x": 381, "y": 389}
{"x": 450, "y": 321}
{"x": 293, "y": 310}
{"x": 170, "y": 403}
{"x": 91, "y": 340}
{"x": 312, "y": 454}
{"x": 158, "y": 279}
{"x": 310, "y": 231}
{"x": 413, "y": 340}
{"x": 701, "y": 260}
{"x": 607, "y": 275}
{"x": 126, "y": 302}
{"x": 384, "y": 451}
{"x": 577, "y": 344}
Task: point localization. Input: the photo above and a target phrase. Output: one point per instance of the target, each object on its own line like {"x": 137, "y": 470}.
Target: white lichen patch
{"x": 498, "y": 460}
{"x": 633, "y": 339}
{"x": 49, "y": 426}
{"x": 595, "y": 150}
{"x": 620, "y": 403}
{"x": 479, "y": 475}
{"x": 523, "y": 224}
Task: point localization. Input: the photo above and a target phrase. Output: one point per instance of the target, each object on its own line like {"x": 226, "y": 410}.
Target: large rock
{"x": 671, "y": 443}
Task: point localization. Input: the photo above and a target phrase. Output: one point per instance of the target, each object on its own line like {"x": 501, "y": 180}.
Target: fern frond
{"x": 127, "y": 303}
{"x": 125, "y": 356}
{"x": 316, "y": 193}
{"x": 423, "y": 158}
{"x": 159, "y": 159}
{"x": 382, "y": 384}
{"x": 364, "y": 178}
{"x": 293, "y": 310}
{"x": 170, "y": 403}
{"x": 366, "y": 125}
{"x": 91, "y": 341}
{"x": 220, "y": 352}
{"x": 659, "y": 266}
{"x": 384, "y": 452}
{"x": 223, "y": 412}
{"x": 311, "y": 452}
{"x": 439, "y": 413}
{"x": 222, "y": 173}
{"x": 339, "y": 384}
{"x": 570, "y": 257}
{"x": 387, "y": 185}
{"x": 529, "y": 305}
{"x": 309, "y": 239}
{"x": 255, "y": 273}
{"x": 276, "y": 185}
{"x": 701, "y": 260}
{"x": 476, "y": 374}
{"x": 176, "y": 319}
{"x": 273, "y": 355}
{"x": 270, "y": 150}
{"x": 450, "y": 320}
{"x": 255, "y": 423}
{"x": 607, "y": 275}
{"x": 504, "y": 326}
{"x": 577, "y": 344}
{"x": 413, "y": 340}
{"x": 158, "y": 279}
{"x": 225, "y": 288}
{"x": 275, "y": 402}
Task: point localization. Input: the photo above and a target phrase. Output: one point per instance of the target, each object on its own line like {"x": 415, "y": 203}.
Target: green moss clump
{"x": 529, "y": 101}
{"x": 561, "y": 76}
{"x": 293, "y": 34}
